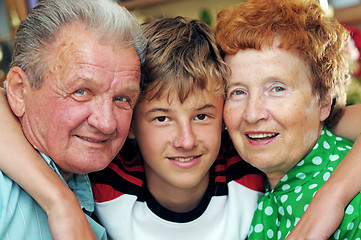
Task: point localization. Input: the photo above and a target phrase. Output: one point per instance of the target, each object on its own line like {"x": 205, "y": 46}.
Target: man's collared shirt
{"x": 21, "y": 217}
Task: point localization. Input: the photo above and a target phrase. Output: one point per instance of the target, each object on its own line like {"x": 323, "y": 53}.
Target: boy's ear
{"x": 131, "y": 133}
{"x": 16, "y": 83}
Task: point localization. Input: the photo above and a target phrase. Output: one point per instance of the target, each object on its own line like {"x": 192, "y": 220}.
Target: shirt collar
{"x": 78, "y": 183}
{"x": 310, "y": 166}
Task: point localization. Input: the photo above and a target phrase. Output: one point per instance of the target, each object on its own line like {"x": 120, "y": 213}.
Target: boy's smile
{"x": 179, "y": 143}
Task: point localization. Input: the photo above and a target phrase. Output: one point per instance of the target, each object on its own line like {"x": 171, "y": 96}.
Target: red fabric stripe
{"x": 252, "y": 181}
{"x": 103, "y": 192}
{"x": 135, "y": 168}
{"x": 233, "y": 160}
{"x": 220, "y": 179}
{"x": 125, "y": 176}
{"x": 220, "y": 167}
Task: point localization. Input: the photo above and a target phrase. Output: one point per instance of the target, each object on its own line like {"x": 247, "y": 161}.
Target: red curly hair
{"x": 302, "y": 27}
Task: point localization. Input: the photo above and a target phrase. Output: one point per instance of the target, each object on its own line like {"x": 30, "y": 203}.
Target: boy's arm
{"x": 20, "y": 162}
{"x": 326, "y": 210}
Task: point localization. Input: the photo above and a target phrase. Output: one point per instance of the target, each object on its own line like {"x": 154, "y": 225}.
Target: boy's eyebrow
{"x": 159, "y": 110}
{"x": 167, "y": 110}
{"x": 206, "y": 106}
{"x": 154, "y": 110}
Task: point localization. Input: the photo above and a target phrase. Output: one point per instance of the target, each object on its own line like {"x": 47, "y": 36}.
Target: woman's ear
{"x": 325, "y": 110}
{"x": 16, "y": 83}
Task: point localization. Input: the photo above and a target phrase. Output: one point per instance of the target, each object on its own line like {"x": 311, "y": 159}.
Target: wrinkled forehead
{"x": 79, "y": 48}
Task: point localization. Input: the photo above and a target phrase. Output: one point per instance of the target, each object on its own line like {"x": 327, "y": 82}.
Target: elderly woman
{"x": 287, "y": 87}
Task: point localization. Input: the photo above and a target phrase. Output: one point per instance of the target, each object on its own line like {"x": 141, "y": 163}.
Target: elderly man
{"x": 73, "y": 83}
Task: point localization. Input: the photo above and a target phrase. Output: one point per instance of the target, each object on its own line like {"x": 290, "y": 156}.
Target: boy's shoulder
{"x": 124, "y": 175}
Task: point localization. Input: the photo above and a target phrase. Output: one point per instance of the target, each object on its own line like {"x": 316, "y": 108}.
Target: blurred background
{"x": 348, "y": 12}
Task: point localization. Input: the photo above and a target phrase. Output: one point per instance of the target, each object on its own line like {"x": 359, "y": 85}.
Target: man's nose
{"x": 102, "y": 116}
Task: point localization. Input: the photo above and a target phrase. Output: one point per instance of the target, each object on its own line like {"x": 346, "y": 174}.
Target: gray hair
{"x": 112, "y": 24}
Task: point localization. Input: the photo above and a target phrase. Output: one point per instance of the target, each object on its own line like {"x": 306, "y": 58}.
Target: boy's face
{"x": 178, "y": 141}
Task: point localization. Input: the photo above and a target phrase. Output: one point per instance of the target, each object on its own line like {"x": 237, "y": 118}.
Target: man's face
{"x": 81, "y": 115}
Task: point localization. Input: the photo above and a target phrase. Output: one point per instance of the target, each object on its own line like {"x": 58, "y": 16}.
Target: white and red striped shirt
{"x": 127, "y": 210}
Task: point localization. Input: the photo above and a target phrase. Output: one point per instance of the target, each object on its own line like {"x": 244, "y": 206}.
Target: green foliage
{"x": 354, "y": 92}
{"x": 206, "y": 17}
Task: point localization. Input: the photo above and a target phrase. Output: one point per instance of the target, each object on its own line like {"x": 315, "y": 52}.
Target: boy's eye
{"x": 201, "y": 117}
{"x": 161, "y": 119}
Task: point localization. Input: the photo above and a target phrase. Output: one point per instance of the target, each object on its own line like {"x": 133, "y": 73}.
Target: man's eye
{"x": 123, "y": 102}
{"x": 80, "y": 91}
{"x": 81, "y": 95}
{"x": 121, "y": 99}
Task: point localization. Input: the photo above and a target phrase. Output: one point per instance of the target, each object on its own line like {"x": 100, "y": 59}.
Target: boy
{"x": 182, "y": 190}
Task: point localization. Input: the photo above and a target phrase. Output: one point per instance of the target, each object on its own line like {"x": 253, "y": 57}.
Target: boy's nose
{"x": 186, "y": 138}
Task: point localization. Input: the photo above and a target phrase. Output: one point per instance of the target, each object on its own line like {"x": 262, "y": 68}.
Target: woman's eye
{"x": 239, "y": 92}
{"x": 236, "y": 94}
{"x": 279, "y": 89}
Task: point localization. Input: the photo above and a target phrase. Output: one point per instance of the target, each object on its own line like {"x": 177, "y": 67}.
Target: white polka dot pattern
{"x": 280, "y": 209}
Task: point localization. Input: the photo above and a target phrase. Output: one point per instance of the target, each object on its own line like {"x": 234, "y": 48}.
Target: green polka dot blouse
{"x": 280, "y": 209}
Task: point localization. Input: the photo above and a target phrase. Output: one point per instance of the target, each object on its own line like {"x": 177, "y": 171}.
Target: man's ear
{"x": 131, "y": 132}
{"x": 17, "y": 82}
{"x": 325, "y": 110}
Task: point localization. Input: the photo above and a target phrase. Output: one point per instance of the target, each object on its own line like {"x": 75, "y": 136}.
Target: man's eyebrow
{"x": 95, "y": 82}
{"x": 134, "y": 88}
{"x": 86, "y": 80}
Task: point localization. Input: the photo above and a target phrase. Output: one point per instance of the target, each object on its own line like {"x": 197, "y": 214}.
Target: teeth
{"x": 90, "y": 140}
{"x": 184, "y": 159}
{"x": 261, "y": 135}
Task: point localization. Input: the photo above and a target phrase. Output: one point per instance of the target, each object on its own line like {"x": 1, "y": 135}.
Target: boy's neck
{"x": 180, "y": 200}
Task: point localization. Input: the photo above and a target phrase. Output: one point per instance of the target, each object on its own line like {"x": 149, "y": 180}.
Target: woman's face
{"x": 271, "y": 113}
